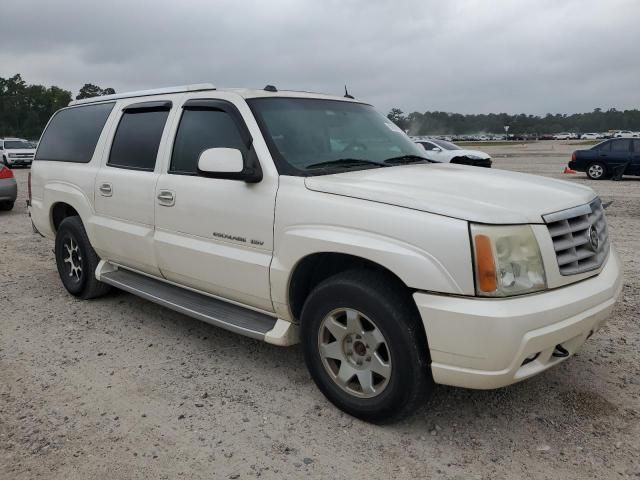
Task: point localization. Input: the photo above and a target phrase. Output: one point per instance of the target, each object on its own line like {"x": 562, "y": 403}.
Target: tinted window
{"x": 636, "y": 146}
{"x": 137, "y": 139}
{"x": 427, "y": 145}
{"x": 16, "y": 144}
{"x": 620, "y": 145}
{"x": 303, "y": 132}
{"x": 446, "y": 145}
{"x": 603, "y": 147}
{"x": 200, "y": 130}
{"x": 73, "y": 133}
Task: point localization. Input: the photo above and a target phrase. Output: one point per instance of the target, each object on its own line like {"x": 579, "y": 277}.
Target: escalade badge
{"x": 594, "y": 241}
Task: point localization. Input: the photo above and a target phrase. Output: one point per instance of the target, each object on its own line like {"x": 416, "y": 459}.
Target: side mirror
{"x": 437, "y": 149}
{"x": 215, "y": 161}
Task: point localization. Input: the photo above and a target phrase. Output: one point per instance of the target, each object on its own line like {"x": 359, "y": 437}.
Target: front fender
{"x": 416, "y": 267}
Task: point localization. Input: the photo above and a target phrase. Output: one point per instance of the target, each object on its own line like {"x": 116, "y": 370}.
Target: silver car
{"x": 8, "y": 188}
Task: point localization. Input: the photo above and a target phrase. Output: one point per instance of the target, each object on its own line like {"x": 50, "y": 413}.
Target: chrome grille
{"x": 573, "y": 232}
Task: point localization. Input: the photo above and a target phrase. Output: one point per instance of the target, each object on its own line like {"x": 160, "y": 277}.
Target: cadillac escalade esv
{"x": 297, "y": 217}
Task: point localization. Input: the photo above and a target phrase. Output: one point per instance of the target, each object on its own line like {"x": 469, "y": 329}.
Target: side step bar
{"x": 211, "y": 310}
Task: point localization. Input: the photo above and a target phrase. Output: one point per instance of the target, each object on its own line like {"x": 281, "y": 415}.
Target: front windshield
{"x": 15, "y": 144}
{"x": 446, "y": 145}
{"x": 307, "y": 133}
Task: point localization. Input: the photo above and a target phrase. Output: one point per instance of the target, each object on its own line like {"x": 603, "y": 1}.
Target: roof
{"x": 200, "y": 87}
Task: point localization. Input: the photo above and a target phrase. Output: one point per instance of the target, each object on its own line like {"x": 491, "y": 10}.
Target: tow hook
{"x": 560, "y": 352}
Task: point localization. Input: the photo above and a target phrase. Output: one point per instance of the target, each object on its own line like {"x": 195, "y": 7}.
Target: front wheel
{"x": 596, "y": 171}
{"x": 77, "y": 261}
{"x": 364, "y": 345}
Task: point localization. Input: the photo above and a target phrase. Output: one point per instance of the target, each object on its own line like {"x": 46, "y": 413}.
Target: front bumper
{"x": 484, "y": 343}
{"x": 19, "y": 161}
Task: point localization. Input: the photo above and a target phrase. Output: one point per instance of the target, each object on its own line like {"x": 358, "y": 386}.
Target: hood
{"x": 21, "y": 150}
{"x": 470, "y": 193}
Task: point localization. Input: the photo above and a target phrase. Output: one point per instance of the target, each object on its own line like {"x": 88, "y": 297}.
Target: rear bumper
{"x": 483, "y": 343}
{"x": 8, "y": 190}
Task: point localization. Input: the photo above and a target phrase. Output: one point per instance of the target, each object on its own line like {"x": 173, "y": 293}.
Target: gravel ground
{"x": 121, "y": 388}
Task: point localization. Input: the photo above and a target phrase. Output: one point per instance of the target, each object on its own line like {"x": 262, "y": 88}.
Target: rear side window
{"x": 622, "y": 145}
{"x": 73, "y": 133}
{"x": 135, "y": 144}
{"x": 199, "y": 130}
{"x": 636, "y": 146}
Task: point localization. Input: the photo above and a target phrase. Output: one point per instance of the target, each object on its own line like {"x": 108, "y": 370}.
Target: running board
{"x": 202, "y": 307}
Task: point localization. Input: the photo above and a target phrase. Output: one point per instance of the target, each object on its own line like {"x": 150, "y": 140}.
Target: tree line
{"x": 441, "y": 123}
{"x": 25, "y": 109}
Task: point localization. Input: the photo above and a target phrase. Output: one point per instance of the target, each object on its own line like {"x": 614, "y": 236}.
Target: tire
{"x": 596, "y": 171}
{"x": 379, "y": 301}
{"x": 77, "y": 261}
{"x": 6, "y": 206}
{"x": 5, "y": 162}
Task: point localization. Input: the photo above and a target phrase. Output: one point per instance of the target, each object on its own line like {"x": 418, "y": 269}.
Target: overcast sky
{"x": 467, "y": 56}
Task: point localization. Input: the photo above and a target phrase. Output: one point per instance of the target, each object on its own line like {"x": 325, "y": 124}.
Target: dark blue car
{"x": 611, "y": 158}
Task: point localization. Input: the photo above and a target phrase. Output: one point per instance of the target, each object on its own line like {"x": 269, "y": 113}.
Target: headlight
{"x": 507, "y": 260}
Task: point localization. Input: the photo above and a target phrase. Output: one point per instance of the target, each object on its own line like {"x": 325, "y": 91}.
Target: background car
{"x": 8, "y": 188}
{"x": 591, "y": 136}
{"x": 625, "y": 134}
{"x": 447, "y": 152}
{"x": 563, "y": 136}
{"x": 606, "y": 158}
{"x": 16, "y": 152}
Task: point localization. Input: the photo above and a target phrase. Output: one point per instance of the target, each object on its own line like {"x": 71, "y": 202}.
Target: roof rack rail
{"x": 143, "y": 93}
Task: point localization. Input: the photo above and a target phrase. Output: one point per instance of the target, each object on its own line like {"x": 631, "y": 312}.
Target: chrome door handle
{"x": 166, "y": 198}
{"x": 106, "y": 190}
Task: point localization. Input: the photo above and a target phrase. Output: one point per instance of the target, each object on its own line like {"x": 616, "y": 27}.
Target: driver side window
{"x": 428, "y": 146}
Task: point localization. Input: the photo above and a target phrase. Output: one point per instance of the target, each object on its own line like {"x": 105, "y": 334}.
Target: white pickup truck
{"x": 297, "y": 217}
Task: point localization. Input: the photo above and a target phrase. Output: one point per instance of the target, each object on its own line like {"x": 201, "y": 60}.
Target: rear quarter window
{"x": 72, "y": 133}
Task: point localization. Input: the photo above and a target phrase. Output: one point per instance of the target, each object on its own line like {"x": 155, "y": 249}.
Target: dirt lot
{"x": 122, "y": 388}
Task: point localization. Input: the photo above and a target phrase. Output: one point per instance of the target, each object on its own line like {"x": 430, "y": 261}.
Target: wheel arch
{"x": 317, "y": 267}
{"x": 65, "y": 200}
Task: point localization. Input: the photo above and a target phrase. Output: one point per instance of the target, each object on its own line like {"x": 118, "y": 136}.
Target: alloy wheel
{"x": 354, "y": 353}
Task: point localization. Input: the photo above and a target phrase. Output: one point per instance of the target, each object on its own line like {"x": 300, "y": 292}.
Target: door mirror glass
{"x": 220, "y": 160}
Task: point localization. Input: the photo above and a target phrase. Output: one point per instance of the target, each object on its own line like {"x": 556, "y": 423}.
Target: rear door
{"x": 634, "y": 168}
{"x": 215, "y": 234}
{"x": 620, "y": 153}
{"x": 125, "y": 185}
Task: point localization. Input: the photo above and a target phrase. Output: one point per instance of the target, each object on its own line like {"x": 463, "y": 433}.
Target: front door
{"x": 213, "y": 234}
{"x": 125, "y": 188}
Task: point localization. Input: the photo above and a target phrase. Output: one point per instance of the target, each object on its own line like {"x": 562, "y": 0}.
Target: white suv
{"x": 16, "y": 152}
{"x": 297, "y": 217}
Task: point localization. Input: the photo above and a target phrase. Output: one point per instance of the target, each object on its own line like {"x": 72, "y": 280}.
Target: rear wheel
{"x": 7, "y": 205}
{"x": 77, "y": 261}
{"x": 596, "y": 171}
{"x": 364, "y": 345}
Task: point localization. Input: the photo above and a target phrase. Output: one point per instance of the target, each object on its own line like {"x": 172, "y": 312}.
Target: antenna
{"x": 346, "y": 93}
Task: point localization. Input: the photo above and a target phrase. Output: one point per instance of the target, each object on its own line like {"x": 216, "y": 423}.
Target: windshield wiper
{"x": 345, "y": 162}
{"x": 404, "y": 159}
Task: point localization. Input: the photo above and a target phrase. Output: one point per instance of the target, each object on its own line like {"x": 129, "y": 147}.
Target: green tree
{"x": 25, "y": 109}
{"x": 89, "y": 90}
